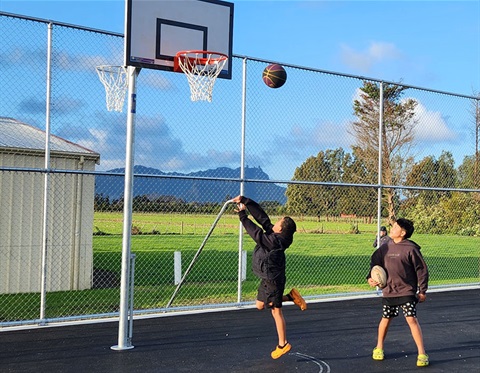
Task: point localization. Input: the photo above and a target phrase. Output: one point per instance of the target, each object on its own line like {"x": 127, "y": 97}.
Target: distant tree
{"x": 330, "y": 166}
{"x": 397, "y": 136}
{"x": 101, "y": 203}
{"x": 457, "y": 214}
{"x": 355, "y": 200}
{"x": 476, "y": 133}
{"x": 310, "y": 199}
{"x": 434, "y": 173}
{"x": 468, "y": 172}
{"x": 272, "y": 207}
{"x": 141, "y": 203}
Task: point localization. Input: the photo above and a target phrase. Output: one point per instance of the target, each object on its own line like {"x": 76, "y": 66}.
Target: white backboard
{"x": 155, "y": 30}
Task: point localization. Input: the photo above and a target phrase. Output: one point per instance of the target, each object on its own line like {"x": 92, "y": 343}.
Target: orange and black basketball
{"x": 274, "y": 75}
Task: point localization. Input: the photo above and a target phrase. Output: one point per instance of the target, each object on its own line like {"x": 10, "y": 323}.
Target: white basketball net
{"x": 114, "y": 79}
{"x": 201, "y": 69}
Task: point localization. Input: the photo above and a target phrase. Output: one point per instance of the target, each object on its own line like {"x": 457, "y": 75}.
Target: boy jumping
{"x": 269, "y": 264}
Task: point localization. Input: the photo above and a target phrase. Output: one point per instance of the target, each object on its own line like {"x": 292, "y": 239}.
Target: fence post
{"x": 43, "y": 286}
{"x": 177, "y": 267}
{"x": 244, "y": 265}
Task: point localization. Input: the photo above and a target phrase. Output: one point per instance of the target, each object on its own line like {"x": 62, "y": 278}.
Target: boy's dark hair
{"x": 407, "y": 226}
{"x": 288, "y": 226}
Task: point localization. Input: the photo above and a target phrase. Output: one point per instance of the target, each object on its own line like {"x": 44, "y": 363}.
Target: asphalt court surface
{"x": 330, "y": 336}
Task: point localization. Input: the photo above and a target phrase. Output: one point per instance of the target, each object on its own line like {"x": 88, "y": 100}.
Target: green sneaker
{"x": 422, "y": 360}
{"x": 378, "y": 354}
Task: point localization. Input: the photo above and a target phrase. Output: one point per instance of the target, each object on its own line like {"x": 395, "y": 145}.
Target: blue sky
{"x": 431, "y": 44}
{"x": 434, "y": 44}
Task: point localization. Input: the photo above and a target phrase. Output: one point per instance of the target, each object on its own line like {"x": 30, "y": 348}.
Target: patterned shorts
{"x": 409, "y": 310}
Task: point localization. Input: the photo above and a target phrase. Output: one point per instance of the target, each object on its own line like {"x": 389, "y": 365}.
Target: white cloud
{"x": 364, "y": 61}
{"x": 431, "y": 126}
{"x": 155, "y": 145}
{"x": 302, "y": 141}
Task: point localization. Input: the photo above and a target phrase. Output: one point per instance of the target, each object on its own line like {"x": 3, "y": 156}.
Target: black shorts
{"x": 271, "y": 293}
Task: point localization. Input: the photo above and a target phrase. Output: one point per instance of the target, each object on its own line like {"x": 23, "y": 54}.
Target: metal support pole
{"x": 131, "y": 289}
{"x": 242, "y": 177}
{"x": 380, "y": 170}
{"x": 123, "y": 340}
{"x": 43, "y": 286}
{"x": 380, "y": 163}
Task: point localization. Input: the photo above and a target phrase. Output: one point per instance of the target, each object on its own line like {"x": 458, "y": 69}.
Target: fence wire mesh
{"x": 311, "y": 152}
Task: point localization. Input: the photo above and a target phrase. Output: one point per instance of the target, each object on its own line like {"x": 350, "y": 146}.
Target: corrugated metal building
{"x": 70, "y": 211}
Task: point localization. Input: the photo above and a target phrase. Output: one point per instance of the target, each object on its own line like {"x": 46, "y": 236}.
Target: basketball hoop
{"x": 114, "y": 79}
{"x": 202, "y": 69}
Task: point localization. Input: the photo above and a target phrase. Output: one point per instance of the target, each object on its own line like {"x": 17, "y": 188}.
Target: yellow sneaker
{"x": 297, "y": 299}
{"x": 378, "y": 354}
{"x": 279, "y": 351}
{"x": 422, "y": 360}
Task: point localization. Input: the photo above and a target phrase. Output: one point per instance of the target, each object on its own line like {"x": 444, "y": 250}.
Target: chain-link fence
{"x": 309, "y": 149}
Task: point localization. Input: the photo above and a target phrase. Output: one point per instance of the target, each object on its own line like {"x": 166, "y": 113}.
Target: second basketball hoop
{"x": 115, "y": 81}
{"x": 202, "y": 69}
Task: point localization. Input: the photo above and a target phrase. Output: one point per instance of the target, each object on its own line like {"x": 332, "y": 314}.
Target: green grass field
{"x": 325, "y": 258}
{"x": 111, "y": 223}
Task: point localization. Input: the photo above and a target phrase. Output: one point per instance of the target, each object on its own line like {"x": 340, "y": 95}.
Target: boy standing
{"x": 407, "y": 272}
{"x": 383, "y": 237}
{"x": 268, "y": 264}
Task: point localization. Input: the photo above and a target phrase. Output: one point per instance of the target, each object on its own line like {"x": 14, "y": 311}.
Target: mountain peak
{"x": 189, "y": 189}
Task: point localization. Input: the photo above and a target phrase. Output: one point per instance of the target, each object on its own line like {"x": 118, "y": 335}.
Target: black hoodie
{"x": 268, "y": 260}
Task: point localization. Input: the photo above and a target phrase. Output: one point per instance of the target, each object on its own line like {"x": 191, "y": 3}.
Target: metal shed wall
{"x": 70, "y": 223}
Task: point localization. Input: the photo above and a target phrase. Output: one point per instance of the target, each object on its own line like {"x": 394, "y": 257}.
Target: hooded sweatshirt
{"x": 268, "y": 261}
{"x": 406, "y": 269}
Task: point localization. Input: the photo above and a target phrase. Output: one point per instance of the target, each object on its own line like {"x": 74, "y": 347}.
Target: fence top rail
{"x": 360, "y": 77}
{"x": 48, "y": 21}
{"x": 252, "y": 58}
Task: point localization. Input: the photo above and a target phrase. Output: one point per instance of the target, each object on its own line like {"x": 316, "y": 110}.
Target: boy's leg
{"x": 283, "y": 346}
{"x": 416, "y": 333}
{"x": 378, "y": 353}
{"x": 280, "y": 325}
{"x": 260, "y": 305}
{"x": 275, "y": 303}
{"x": 388, "y": 313}
{"x": 410, "y": 313}
{"x": 422, "y": 359}
{"x": 382, "y": 331}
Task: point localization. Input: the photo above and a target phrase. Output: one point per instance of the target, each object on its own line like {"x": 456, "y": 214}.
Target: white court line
{"x": 320, "y": 363}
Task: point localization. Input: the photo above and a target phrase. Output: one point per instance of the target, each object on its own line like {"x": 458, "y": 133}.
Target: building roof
{"x": 21, "y": 136}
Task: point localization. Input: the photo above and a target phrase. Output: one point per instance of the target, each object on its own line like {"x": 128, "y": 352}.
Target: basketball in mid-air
{"x": 274, "y": 75}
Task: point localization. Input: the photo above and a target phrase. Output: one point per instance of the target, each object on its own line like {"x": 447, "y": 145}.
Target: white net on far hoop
{"x": 114, "y": 79}
{"x": 202, "y": 69}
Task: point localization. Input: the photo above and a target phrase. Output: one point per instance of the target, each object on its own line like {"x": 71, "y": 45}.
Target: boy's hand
{"x": 372, "y": 282}
{"x": 240, "y": 207}
{"x": 422, "y": 297}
